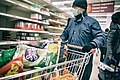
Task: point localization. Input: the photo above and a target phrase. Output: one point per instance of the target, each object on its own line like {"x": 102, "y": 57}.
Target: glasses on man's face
{"x": 78, "y": 9}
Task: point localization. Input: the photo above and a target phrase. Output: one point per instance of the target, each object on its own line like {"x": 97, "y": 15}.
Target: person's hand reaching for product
{"x": 89, "y": 48}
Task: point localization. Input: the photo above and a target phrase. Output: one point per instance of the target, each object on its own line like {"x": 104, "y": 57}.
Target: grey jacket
{"x": 83, "y": 33}
{"x": 113, "y": 39}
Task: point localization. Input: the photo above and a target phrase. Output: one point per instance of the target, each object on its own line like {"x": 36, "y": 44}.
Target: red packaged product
{"x": 13, "y": 67}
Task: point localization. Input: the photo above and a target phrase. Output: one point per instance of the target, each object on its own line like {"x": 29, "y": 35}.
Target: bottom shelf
{"x": 13, "y": 42}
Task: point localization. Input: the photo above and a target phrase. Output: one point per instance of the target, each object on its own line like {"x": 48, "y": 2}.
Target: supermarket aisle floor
{"x": 94, "y": 75}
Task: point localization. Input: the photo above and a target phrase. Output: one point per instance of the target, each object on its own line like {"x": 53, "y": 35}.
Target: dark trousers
{"x": 114, "y": 60}
{"x": 117, "y": 58}
{"x": 88, "y": 70}
{"x": 103, "y": 53}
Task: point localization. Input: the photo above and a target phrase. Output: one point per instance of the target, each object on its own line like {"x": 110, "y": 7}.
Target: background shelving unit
{"x": 51, "y": 7}
{"x": 20, "y": 30}
{"x": 12, "y": 11}
{"x": 57, "y": 22}
{"x": 24, "y": 7}
{"x": 22, "y": 18}
{"x": 56, "y": 16}
{"x": 13, "y": 42}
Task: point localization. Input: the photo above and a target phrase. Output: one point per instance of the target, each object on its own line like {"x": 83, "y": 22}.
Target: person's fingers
{"x": 65, "y": 52}
{"x": 93, "y": 50}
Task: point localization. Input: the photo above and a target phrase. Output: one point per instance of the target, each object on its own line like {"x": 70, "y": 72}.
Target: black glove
{"x": 87, "y": 48}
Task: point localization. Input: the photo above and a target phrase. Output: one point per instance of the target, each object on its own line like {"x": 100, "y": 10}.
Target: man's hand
{"x": 89, "y": 48}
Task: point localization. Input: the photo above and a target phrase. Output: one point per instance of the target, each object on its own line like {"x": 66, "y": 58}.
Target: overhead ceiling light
{"x": 62, "y": 2}
{"x": 10, "y": 1}
{"x": 28, "y": 1}
{"x": 67, "y": 8}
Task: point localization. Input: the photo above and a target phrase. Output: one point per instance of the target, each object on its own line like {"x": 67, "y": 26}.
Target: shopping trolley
{"x": 72, "y": 69}
{"x": 108, "y": 72}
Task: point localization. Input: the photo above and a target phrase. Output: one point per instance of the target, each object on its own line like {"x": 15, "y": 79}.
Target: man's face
{"x": 78, "y": 9}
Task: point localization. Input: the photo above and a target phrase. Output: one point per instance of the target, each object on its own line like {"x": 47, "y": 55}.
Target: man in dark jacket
{"x": 83, "y": 31}
{"x": 113, "y": 39}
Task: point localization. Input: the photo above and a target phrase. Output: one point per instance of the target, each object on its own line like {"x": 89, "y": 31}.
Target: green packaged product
{"x": 50, "y": 59}
{"x": 6, "y": 56}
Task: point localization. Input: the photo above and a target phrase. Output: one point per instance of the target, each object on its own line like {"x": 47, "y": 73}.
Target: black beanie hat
{"x": 80, "y": 3}
{"x": 116, "y": 17}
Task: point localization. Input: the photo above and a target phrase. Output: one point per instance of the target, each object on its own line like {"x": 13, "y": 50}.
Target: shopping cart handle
{"x": 73, "y": 46}
{"x": 78, "y": 47}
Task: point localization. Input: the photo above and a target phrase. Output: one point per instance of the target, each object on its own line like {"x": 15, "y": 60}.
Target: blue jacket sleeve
{"x": 65, "y": 35}
{"x": 98, "y": 34}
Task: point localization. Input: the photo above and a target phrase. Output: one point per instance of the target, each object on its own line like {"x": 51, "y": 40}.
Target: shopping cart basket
{"x": 107, "y": 72}
{"x": 72, "y": 69}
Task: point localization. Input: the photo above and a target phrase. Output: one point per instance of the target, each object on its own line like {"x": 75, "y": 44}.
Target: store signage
{"x": 101, "y": 7}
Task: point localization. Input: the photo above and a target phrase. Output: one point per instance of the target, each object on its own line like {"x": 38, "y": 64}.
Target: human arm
{"x": 98, "y": 36}
{"x": 65, "y": 35}
{"x": 111, "y": 38}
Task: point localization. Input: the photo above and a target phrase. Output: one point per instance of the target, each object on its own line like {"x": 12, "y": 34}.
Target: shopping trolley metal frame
{"x": 79, "y": 62}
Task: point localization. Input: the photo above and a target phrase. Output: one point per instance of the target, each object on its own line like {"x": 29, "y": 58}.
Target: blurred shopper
{"x": 113, "y": 39}
{"x": 83, "y": 31}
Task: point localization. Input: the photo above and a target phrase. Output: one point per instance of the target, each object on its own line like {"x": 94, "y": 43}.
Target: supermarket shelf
{"x": 20, "y": 30}
{"x": 54, "y": 15}
{"x": 27, "y": 8}
{"x": 27, "y": 1}
{"x": 22, "y": 18}
{"x": 32, "y": 31}
{"x": 53, "y": 21}
{"x": 50, "y": 6}
{"x": 52, "y": 27}
{"x": 13, "y": 42}
{"x": 47, "y": 4}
